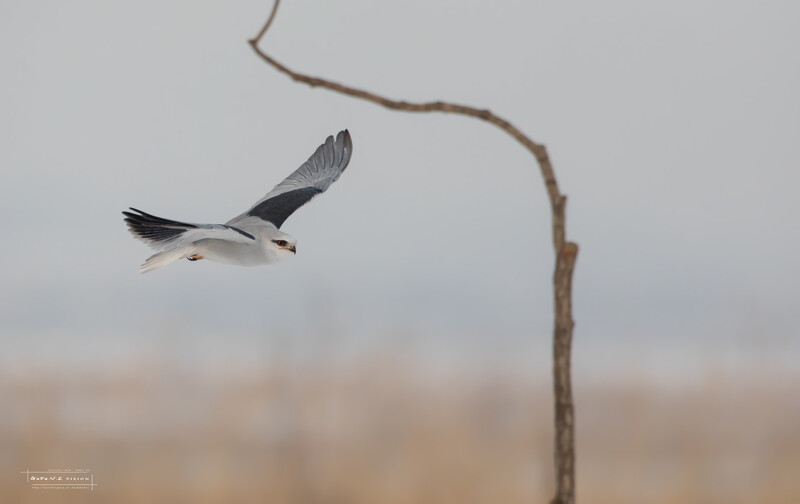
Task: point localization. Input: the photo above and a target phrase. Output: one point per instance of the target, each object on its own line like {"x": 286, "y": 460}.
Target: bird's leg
{"x": 195, "y": 257}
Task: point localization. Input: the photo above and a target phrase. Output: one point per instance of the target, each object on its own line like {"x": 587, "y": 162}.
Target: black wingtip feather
{"x": 152, "y": 228}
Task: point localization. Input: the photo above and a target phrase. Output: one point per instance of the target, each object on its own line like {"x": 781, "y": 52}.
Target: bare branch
{"x": 566, "y": 253}
{"x": 538, "y": 150}
{"x": 256, "y": 40}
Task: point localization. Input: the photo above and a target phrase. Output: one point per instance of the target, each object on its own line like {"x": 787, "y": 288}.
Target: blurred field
{"x": 385, "y": 429}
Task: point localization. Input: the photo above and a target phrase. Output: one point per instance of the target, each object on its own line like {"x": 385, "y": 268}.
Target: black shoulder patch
{"x": 278, "y": 208}
{"x": 243, "y": 233}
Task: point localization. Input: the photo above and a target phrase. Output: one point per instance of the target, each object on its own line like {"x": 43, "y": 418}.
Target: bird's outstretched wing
{"x": 160, "y": 233}
{"x": 321, "y": 170}
{"x": 174, "y": 240}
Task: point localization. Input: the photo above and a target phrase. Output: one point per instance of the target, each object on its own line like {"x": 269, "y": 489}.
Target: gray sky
{"x": 672, "y": 127}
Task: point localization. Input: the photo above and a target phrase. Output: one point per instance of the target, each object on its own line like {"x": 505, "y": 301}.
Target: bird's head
{"x": 282, "y": 244}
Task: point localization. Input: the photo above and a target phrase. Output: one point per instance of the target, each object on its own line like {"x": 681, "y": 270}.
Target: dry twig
{"x": 566, "y": 254}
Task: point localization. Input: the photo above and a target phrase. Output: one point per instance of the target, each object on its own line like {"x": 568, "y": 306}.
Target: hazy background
{"x": 422, "y": 282}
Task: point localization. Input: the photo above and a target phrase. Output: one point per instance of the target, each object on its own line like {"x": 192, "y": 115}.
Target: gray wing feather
{"x": 313, "y": 177}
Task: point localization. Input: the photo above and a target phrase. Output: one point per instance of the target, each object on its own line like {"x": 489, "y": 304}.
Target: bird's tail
{"x": 164, "y": 257}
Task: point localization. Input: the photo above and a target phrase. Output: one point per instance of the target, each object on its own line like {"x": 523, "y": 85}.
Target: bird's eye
{"x": 280, "y": 243}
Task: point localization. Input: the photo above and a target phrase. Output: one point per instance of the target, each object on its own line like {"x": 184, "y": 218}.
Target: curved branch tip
{"x": 256, "y": 40}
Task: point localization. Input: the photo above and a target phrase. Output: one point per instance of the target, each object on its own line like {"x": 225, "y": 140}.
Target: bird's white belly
{"x": 241, "y": 254}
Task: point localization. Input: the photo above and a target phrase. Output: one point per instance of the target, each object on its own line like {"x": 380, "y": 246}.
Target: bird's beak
{"x": 293, "y": 249}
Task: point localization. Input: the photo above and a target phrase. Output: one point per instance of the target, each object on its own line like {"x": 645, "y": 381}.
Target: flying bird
{"x": 254, "y": 237}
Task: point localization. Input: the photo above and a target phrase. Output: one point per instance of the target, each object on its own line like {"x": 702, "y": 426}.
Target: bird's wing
{"x": 160, "y": 233}
{"x": 313, "y": 177}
